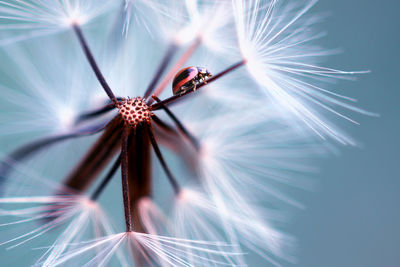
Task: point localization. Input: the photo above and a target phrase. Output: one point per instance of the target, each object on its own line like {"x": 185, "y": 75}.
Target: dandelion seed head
{"x": 134, "y": 111}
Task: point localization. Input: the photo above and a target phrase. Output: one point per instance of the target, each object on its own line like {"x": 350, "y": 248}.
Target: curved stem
{"x": 95, "y": 113}
{"x": 178, "y": 123}
{"x": 163, "y": 65}
{"x": 30, "y": 149}
{"x": 93, "y": 63}
{"x": 160, "y": 157}
{"x": 107, "y": 179}
{"x": 98, "y": 156}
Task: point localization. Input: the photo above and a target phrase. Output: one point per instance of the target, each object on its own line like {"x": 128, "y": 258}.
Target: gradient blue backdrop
{"x": 353, "y": 218}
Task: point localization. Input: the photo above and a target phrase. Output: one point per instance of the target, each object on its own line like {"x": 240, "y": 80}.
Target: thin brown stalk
{"x": 179, "y": 124}
{"x": 125, "y": 181}
{"x": 93, "y": 63}
{"x": 97, "y": 158}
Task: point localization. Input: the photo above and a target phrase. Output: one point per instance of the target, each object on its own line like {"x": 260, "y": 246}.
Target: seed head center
{"x": 134, "y": 111}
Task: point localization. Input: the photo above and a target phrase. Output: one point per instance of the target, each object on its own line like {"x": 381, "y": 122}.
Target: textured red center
{"x": 134, "y": 111}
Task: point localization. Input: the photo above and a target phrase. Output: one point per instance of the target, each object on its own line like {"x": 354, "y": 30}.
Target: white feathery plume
{"x": 22, "y": 19}
{"x": 34, "y": 207}
{"x": 246, "y": 156}
{"x": 243, "y": 223}
{"x": 155, "y": 250}
{"x": 137, "y": 12}
{"x": 46, "y": 95}
{"x": 184, "y": 22}
{"x": 212, "y": 23}
{"x": 152, "y": 218}
{"x": 205, "y": 221}
{"x": 50, "y": 87}
{"x": 276, "y": 40}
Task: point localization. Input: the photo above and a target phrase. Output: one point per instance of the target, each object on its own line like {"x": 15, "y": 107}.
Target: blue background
{"x": 353, "y": 217}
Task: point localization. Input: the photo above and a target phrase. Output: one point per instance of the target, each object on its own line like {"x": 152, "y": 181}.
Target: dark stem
{"x": 30, "y": 149}
{"x": 178, "y": 123}
{"x": 170, "y": 176}
{"x": 95, "y": 113}
{"x": 97, "y": 158}
{"x": 161, "y": 68}
{"x": 93, "y": 63}
{"x": 162, "y": 124}
{"x": 171, "y": 138}
{"x": 139, "y": 174}
{"x": 106, "y": 179}
{"x": 157, "y": 106}
{"x": 124, "y": 179}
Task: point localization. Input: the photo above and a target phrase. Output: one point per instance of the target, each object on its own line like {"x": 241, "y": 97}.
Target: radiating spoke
{"x": 160, "y": 157}
{"x": 97, "y": 157}
{"x": 161, "y": 68}
{"x": 93, "y": 63}
{"x": 30, "y": 149}
{"x": 94, "y": 113}
{"x": 178, "y": 123}
{"x": 107, "y": 179}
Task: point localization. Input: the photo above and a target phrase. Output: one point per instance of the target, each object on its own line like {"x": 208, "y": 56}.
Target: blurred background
{"x": 353, "y": 217}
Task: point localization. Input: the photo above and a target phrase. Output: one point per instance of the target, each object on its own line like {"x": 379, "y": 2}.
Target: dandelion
{"x": 232, "y": 140}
